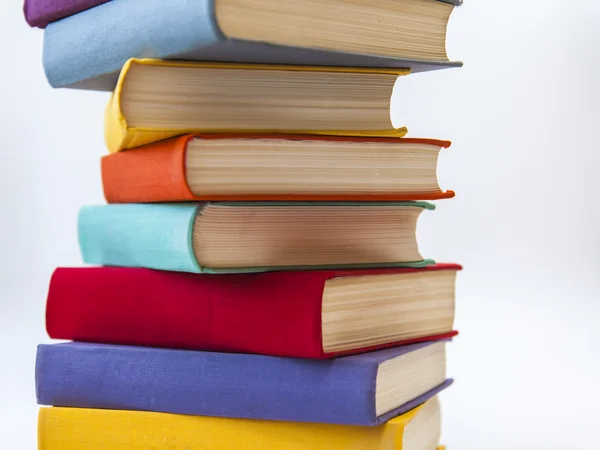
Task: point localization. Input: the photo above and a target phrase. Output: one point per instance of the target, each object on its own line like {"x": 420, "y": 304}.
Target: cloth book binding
{"x": 272, "y": 313}
{"x": 338, "y": 391}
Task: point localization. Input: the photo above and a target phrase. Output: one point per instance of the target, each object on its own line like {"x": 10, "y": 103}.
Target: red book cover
{"x": 273, "y": 313}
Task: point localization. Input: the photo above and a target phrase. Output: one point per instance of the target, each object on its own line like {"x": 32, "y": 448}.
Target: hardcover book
{"x": 367, "y": 389}
{"x": 88, "y": 49}
{"x": 156, "y": 100}
{"x": 97, "y": 429}
{"x": 39, "y": 13}
{"x": 252, "y": 236}
{"x": 308, "y": 314}
{"x": 274, "y": 168}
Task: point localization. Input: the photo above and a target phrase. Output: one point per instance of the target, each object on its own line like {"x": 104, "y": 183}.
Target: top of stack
{"x": 88, "y": 48}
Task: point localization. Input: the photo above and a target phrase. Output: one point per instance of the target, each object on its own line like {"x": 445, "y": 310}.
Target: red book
{"x": 305, "y": 314}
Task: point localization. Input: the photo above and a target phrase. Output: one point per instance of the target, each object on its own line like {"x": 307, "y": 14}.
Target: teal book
{"x": 252, "y": 236}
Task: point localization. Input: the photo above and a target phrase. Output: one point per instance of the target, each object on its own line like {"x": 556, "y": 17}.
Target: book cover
{"x": 119, "y": 135}
{"x": 76, "y": 56}
{"x": 338, "y": 391}
{"x": 99, "y": 429}
{"x": 160, "y": 236}
{"x": 157, "y": 173}
{"x": 272, "y": 313}
{"x": 39, "y": 13}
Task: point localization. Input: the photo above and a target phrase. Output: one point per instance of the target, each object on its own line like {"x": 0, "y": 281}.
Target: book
{"x": 252, "y": 236}
{"x": 308, "y": 314}
{"x": 367, "y": 389}
{"x": 274, "y": 168}
{"x": 39, "y": 13}
{"x": 379, "y": 33}
{"x": 97, "y": 429}
{"x": 156, "y": 100}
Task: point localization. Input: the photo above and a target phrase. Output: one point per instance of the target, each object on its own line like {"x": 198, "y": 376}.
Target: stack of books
{"x": 257, "y": 282}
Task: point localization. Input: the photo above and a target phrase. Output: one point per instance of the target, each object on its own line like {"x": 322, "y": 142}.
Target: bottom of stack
{"x": 126, "y": 397}
{"x": 98, "y": 429}
{"x": 131, "y": 389}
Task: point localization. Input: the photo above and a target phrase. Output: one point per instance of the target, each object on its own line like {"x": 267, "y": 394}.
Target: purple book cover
{"x": 39, "y": 13}
{"x": 338, "y": 391}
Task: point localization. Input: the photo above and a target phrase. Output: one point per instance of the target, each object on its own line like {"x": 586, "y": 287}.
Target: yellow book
{"x": 156, "y": 100}
{"x": 97, "y": 429}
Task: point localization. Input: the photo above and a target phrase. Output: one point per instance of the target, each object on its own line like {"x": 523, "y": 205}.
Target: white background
{"x": 523, "y": 115}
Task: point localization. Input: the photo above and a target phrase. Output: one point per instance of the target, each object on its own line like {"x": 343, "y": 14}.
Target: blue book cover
{"x": 339, "y": 391}
{"x": 87, "y": 50}
{"x": 192, "y": 237}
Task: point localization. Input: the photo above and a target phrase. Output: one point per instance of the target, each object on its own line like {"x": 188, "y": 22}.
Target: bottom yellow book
{"x": 97, "y": 429}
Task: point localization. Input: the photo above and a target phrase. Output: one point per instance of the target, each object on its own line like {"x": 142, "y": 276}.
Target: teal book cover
{"x": 252, "y": 236}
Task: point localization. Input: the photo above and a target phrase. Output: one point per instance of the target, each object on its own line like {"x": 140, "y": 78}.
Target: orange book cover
{"x": 157, "y": 173}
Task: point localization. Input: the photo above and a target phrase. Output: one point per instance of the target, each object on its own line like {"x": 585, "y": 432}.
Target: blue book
{"x": 252, "y": 236}
{"x": 365, "y": 389}
{"x": 87, "y": 50}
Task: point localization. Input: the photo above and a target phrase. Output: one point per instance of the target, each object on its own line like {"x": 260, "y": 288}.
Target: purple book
{"x": 40, "y": 13}
{"x": 365, "y": 389}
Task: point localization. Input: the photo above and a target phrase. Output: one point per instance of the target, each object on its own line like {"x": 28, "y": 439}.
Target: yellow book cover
{"x": 121, "y": 135}
{"x": 97, "y": 429}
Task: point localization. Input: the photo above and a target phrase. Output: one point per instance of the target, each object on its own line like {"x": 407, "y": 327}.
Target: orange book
{"x": 237, "y": 167}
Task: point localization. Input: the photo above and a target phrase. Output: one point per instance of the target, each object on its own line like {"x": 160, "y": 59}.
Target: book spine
{"x": 157, "y": 236}
{"x": 96, "y": 429}
{"x": 100, "y": 40}
{"x": 155, "y": 173}
{"x": 274, "y": 313}
{"x": 39, "y": 13}
{"x": 118, "y": 135}
{"x": 206, "y": 384}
